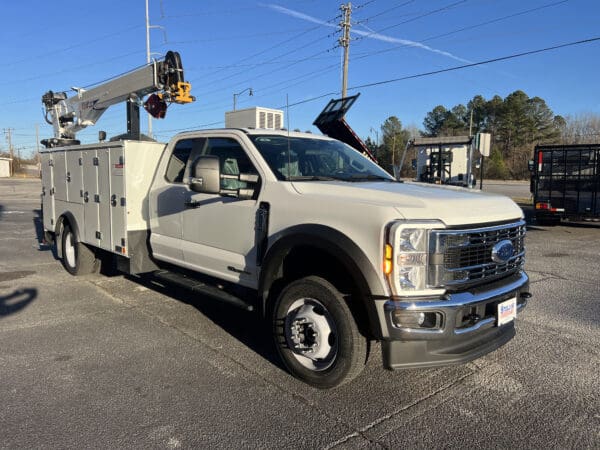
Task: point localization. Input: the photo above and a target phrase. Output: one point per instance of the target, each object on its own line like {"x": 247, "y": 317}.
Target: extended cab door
{"x": 219, "y": 230}
{"x": 167, "y": 201}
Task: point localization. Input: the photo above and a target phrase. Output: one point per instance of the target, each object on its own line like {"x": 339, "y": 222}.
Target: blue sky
{"x": 285, "y": 48}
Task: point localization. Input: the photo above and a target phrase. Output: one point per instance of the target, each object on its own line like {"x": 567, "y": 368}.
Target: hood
{"x": 414, "y": 201}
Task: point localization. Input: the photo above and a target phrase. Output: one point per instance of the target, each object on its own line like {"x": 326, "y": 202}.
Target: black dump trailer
{"x": 565, "y": 182}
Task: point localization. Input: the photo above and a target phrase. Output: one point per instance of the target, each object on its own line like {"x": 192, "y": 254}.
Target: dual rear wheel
{"x": 77, "y": 258}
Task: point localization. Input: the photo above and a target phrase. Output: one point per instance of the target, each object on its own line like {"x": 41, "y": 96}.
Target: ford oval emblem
{"x": 502, "y": 251}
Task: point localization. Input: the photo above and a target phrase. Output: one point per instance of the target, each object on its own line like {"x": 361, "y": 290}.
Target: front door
{"x": 219, "y": 230}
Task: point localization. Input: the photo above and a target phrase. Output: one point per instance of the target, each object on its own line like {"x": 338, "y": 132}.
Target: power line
{"x": 267, "y": 49}
{"x": 70, "y": 70}
{"x": 450, "y": 69}
{"x": 233, "y": 38}
{"x": 207, "y": 13}
{"x": 510, "y": 16}
{"x": 470, "y": 27}
{"x": 479, "y": 63}
{"x": 362, "y": 5}
{"x": 71, "y": 47}
{"x": 264, "y": 73}
{"x": 428, "y": 13}
{"x": 385, "y": 11}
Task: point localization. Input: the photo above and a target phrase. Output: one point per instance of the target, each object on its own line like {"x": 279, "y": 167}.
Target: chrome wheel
{"x": 311, "y": 334}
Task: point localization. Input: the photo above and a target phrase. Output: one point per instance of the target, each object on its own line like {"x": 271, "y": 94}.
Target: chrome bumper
{"x": 467, "y": 329}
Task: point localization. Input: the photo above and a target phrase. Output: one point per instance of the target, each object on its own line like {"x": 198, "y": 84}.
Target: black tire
{"x": 332, "y": 356}
{"x": 77, "y": 258}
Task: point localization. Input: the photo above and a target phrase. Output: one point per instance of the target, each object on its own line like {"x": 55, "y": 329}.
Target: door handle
{"x": 86, "y": 197}
{"x": 192, "y": 204}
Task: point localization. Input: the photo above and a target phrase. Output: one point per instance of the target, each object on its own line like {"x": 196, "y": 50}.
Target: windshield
{"x": 305, "y": 159}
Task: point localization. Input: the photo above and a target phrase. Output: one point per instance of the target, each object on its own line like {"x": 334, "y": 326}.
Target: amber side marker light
{"x": 388, "y": 264}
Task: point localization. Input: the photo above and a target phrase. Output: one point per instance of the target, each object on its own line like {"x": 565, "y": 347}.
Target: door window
{"x": 233, "y": 160}
{"x": 184, "y": 152}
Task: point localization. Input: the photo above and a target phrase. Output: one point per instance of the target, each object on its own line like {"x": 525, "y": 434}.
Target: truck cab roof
{"x": 257, "y": 131}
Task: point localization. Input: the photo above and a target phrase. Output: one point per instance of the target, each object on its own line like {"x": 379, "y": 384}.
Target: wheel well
{"x": 305, "y": 260}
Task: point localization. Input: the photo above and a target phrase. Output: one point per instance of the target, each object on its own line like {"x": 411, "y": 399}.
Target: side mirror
{"x": 531, "y": 165}
{"x": 206, "y": 175}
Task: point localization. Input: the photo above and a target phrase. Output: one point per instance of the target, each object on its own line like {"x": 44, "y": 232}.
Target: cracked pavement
{"x": 115, "y": 361}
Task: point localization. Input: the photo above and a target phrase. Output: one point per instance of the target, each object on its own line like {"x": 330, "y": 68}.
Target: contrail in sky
{"x": 372, "y": 35}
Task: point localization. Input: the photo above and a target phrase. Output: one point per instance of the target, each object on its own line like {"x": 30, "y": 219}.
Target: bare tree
{"x": 582, "y": 128}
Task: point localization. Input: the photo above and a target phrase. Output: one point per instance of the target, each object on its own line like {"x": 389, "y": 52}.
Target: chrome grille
{"x": 465, "y": 256}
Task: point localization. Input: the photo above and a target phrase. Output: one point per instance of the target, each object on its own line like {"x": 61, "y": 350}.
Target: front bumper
{"x": 467, "y": 329}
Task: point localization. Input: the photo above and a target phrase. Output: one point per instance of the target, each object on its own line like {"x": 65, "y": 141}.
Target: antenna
{"x": 289, "y": 152}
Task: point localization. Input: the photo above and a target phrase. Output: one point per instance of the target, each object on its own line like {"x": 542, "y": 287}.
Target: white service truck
{"x": 320, "y": 240}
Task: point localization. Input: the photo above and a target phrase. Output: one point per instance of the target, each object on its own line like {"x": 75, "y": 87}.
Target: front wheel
{"x": 77, "y": 258}
{"x": 316, "y": 334}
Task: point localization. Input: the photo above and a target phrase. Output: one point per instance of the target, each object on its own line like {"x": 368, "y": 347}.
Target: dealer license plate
{"x": 507, "y": 311}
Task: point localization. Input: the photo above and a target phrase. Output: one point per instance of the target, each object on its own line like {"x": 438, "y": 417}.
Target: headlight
{"x": 409, "y": 242}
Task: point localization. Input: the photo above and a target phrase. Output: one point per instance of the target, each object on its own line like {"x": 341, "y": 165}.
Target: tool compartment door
{"x": 117, "y": 201}
{"x": 90, "y": 189}
{"x": 102, "y": 198}
{"x": 60, "y": 176}
{"x": 74, "y": 176}
{"x": 47, "y": 189}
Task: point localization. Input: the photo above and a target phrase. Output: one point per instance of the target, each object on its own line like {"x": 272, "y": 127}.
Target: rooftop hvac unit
{"x": 262, "y": 118}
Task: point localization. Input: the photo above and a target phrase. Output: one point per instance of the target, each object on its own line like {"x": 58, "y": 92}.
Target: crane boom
{"x": 162, "y": 79}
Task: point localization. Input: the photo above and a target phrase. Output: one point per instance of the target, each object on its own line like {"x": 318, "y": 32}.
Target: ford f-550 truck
{"x": 326, "y": 245}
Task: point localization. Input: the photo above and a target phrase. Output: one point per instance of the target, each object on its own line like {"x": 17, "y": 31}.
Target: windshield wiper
{"x": 368, "y": 177}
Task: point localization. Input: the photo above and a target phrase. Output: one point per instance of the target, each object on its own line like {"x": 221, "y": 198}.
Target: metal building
{"x": 443, "y": 160}
{"x": 5, "y": 164}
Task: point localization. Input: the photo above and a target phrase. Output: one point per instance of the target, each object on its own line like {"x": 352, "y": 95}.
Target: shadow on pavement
{"x": 19, "y": 299}
{"x": 38, "y": 224}
{"x": 247, "y": 327}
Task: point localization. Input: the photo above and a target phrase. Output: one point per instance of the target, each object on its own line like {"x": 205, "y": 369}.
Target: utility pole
{"x": 148, "y": 59}
{"x": 235, "y": 96}
{"x": 344, "y": 42}
{"x": 37, "y": 148}
{"x": 8, "y": 133}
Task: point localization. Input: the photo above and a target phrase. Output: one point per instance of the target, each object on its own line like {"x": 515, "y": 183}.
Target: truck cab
{"x": 424, "y": 269}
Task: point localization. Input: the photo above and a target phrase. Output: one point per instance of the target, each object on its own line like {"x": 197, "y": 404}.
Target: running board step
{"x": 203, "y": 288}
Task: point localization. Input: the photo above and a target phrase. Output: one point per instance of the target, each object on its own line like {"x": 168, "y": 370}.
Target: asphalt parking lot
{"x": 114, "y": 361}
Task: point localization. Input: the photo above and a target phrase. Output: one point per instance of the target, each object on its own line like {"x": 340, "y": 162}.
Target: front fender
{"x": 335, "y": 243}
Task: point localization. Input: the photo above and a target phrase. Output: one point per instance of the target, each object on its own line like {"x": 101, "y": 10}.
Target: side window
{"x": 178, "y": 160}
{"x": 232, "y": 159}
{"x": 182, "y": 157}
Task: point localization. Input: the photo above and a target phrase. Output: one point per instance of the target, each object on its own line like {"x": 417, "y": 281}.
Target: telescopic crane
{"x": 162, "y": 80}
